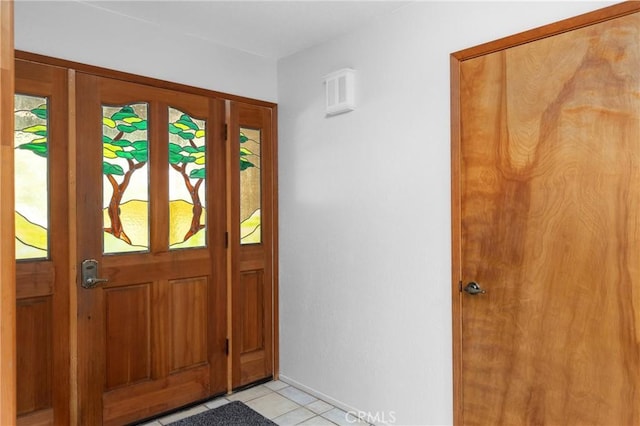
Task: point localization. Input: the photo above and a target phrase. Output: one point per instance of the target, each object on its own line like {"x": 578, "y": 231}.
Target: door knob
{"x": 89, "y": 272}
{"x": 473, "y": 288}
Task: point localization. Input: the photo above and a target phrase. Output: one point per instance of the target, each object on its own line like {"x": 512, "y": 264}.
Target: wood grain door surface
{"x": 547, "y": 177}
{"x": 153, "y": 337}
{"x": 8, "y": 400}
{"x": 252, "y": 264}
{"x": 42, "y": 296}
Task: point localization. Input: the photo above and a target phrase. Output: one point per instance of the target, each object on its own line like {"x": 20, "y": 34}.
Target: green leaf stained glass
{"x": 187, "y": 180}
{"x": 125, "y": 151}
{"x": 31, "y": 177}
{"x": 250, "y": 186}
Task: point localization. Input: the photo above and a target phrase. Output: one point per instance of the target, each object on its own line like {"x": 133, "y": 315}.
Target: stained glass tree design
{"x": 187, "y": 156}
{"x": 250, "y": 186}
{"x": 124, "y": 123}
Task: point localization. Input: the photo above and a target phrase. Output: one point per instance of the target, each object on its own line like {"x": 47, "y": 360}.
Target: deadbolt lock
{"x": 89, "y": 272}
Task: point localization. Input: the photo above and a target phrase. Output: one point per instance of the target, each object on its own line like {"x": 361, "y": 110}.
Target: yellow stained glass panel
{"x": 187, "y": 181}
{"x": 125, "y": 178}
{"x": 250, "y": 186}
{"x": 31, "y": 177}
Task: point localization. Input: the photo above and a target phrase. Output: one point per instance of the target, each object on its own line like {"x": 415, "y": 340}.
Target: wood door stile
{"x": 546, "y": 212}
{"x": 218, "y": 337}
{"x": 91, "y": 358}
{"x": 7, "y": 232}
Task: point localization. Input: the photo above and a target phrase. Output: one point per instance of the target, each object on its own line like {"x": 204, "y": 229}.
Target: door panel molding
{"x": 457, "y": 60}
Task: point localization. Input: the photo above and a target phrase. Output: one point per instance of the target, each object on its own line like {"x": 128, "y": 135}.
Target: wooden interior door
{"x": 153, "y": 337}
{"x": 42, "y": 244}
{"x": 252, "y": 240}
{"x": 547, "y": 221}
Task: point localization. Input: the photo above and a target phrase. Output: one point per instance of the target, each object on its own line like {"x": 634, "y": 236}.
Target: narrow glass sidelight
{"x": 250, "y": 187}
{"x": 31, "y": 177}
{"x": 187, "y": 181}
{"x": 125, "y": 178}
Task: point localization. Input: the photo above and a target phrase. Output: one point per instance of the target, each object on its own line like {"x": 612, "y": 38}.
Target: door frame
{"x": 7, "y": 231}
{"x": 456, "y": 60}
{"x": 7, "y": 275}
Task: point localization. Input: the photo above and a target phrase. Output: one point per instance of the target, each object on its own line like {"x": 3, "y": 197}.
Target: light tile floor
{"x": 283, "y": 404}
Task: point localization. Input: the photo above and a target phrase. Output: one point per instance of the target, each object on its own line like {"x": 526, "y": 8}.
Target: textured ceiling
{"x": 272, "y": 29}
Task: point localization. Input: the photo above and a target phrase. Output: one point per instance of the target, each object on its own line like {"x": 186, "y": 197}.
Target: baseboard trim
{"x": 336, "y": 403}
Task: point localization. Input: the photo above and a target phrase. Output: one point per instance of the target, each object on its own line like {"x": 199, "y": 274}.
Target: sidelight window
{"x": 31, "y": 177}
{"x": 250, "y": 186}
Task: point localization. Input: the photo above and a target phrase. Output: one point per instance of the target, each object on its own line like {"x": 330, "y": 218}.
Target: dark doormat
{"x": 232, "y": 414}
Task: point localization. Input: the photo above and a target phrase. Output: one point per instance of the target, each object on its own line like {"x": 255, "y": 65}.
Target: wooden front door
{"x": 151, "y": 203}
{"x": 546, "y": 221}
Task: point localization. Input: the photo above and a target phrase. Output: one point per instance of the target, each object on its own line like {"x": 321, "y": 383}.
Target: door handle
{"x": 89, "y": 271}
{"x": 473, "y": 289}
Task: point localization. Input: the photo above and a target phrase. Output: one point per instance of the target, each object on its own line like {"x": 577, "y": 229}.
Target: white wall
{"x": 365, "y": 299}
{"x": 91, "y": 35}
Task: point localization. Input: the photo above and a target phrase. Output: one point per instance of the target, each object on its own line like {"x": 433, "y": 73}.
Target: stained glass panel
{"x": 187, "y": 175}
{"x": 250, "y": 186}
{"x": 126, "y": 178}
{"x": 31, "y": 177}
